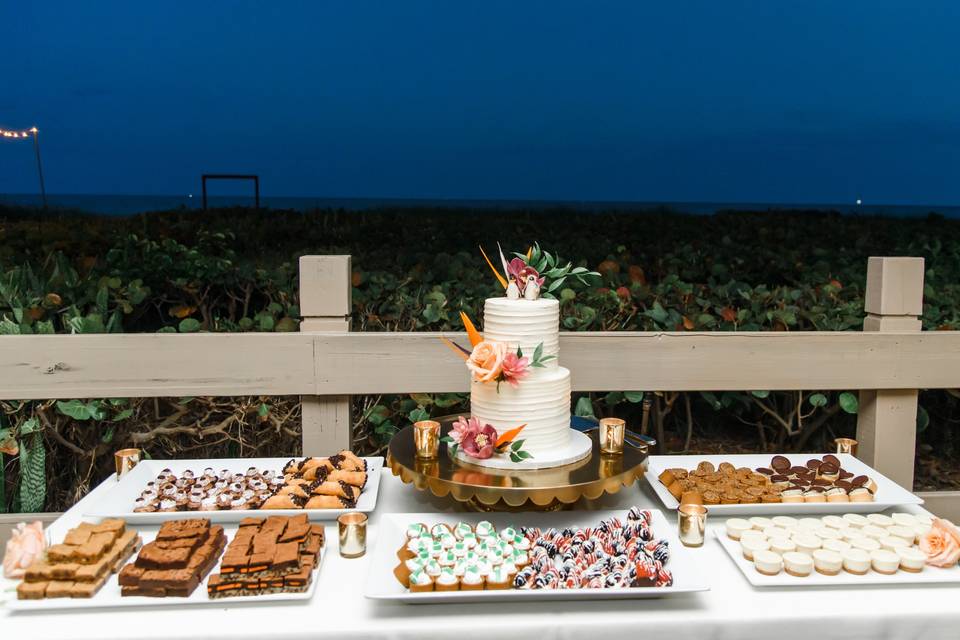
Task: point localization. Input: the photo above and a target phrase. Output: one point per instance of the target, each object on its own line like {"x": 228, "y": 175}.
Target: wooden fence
{"x": 325, "y": 364}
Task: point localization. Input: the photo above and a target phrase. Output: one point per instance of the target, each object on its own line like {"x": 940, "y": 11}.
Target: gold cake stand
{"x": 485, "y": 489}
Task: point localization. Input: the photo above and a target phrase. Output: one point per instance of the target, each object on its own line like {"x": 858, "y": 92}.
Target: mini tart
{"x": 420, "y": 582}
{"x": 879, "y": 519}
{"x": 736, "y": 527}
{"x": 856, "y": 561}
{"x": 837, "y": 494}
{"x": 797, "y": 564}
{"x": 884, "y": 561}
{"x": 836, "y": 545}
{"x": 806, "y": 542}
{"x": 749, "y": 546}
{"x": 767, "y": 562}
{"x": 809, "y": 524}
{"x": 416, "y": 530}
{"x": 875, "y": 532}
{"x": 826, "y": 533}
{"x": 865, "y": 544}
{"x": 855, "y": 520}
{"x": 447, "y": 580}
{"x": 711, "y": 497}
{"x": 835, "y": 522}
{"x": 440, "y": 529}
{"x": 861, "y": 494}
{"x": 461, "y": 530}
{"x": 904, "y": 519}
{"x": 826, "y": 562}
{"x": 905, "y": 533}
{"x": 812, "y": 495}
{"x": 852, "y": 534}
{"x": 776, "y": 532}
{"x": 791, "y": 495}
{"x": 784, "y": 522}
{"x": 759, "y": 522}
{"x": 911, "y": 559}
{"x": 484, "y": 528}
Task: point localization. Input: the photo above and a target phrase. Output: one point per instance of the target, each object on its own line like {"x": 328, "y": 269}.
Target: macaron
{"x": 751, "y": 545}
{"x": 911, "y": 559}
{"x": 884, "y": 561}
{"x": 856, "y": 561}
{"x": 736, "y": 527}
{"x": 767, "y": 562}
{"x": 855, "y": 520}
{"x": 797, "y": 564}
{"x": 806, "y": 542}
{"x": 879, "y": 519}
{"x": 827, "y": 562}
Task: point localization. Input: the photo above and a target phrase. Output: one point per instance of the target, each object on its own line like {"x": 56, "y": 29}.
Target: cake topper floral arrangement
{"x": 481, "y": 441}
{"x": 535, "y": 274}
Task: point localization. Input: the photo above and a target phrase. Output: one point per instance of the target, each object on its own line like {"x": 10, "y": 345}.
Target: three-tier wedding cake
{"x": 519, "y": 393}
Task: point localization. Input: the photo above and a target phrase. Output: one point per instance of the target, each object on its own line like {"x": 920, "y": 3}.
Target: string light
{"x": 6, "y": 133}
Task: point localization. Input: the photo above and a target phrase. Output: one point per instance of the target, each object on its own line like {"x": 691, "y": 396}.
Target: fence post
{"x": 886, "y": 423}
{"x": 325, "y": 288}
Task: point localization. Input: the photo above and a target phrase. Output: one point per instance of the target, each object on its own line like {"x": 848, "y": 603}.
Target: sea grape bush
{"x": 236, "y": 270}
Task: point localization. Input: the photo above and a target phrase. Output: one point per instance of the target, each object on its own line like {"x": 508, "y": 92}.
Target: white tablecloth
{"x": 731, "y": 609}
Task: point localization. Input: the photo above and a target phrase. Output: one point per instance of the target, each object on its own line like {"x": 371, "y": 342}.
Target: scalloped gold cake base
{"x": 486, "y": 489}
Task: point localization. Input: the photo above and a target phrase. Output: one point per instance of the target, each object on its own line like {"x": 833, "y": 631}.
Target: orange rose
{"x": 486, "y": 361}
{"x": 941, "y": 544}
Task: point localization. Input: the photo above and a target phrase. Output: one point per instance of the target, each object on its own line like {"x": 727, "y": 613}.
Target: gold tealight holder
{"x": 692, "y": 521}
{"x": 353, "y": 534}
{"x": 125, "y": 460}
{"x": 846, "y": 445}
{"x": 612, "y": 432}
{"x": 426, "y": 438}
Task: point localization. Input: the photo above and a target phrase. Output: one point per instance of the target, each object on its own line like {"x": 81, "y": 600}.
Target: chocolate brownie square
{"x": 130, "y": 575}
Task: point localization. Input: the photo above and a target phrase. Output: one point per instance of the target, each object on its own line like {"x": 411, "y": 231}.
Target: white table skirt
{"x": 731, "y": 609}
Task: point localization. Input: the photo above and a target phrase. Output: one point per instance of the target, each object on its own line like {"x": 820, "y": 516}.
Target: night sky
{"x": 765, "y": 101}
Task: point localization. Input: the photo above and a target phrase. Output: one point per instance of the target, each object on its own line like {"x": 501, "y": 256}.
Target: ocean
{"x": 122, "y": 205}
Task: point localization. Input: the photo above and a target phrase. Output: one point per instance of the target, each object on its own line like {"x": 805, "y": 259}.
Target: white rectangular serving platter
{"x": 109, "y": 594}
{"x": 889, "y": 493}
{"x": 929, "y": 575}
{"x": 118, "y": 501}
{"x": 381, "y": 584}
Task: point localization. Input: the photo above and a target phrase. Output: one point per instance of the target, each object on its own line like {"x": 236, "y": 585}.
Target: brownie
{"x": 85, "y": 589}
{"x": 287, "y": 556}
{"x": 31, "y": 590}
{"x": 295, "y": 532}
{"x": 79, "y": 535}
{"x": 59, "y": 588}
{"x": 154, "y": 557}
{"x": 130, "y": 575}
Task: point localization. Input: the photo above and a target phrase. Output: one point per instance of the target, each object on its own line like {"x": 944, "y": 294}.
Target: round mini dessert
{"x": 827, "y": 533}
{"x": 736, "y": 527}
{"x": 813, "y": 495}
{"x": 835, "y": 522}
{"x": 420, "y": 582}
{"x": 879, "y": 519}
{"x": 856, "y": 561}
{"x": 884, "y": 561}
{"x": 797, "y": 564}
{"x": 921, "y": 530}
{"x": 904, "y": 519}
{"x": 749, "y": 546}
{"x": 892, "y": 543}
{"x": 855, "y": 520}
{"x": 785, "y": 522}
{"x": 472, "y": 579}
{"x": 911, "y": 559}
{"x": 851, "y": 534}
{"x": 826, "y": 562}
{"x": 873, "y": 531}
{"x": 776, "y": 532}
{"x": 782, "y": 545}
{"x": 767, "y": 562}
{"x": 447, "y": 580}
{"x": 837, "y": 494}
{"x": 865, "y": 544}
{"x": 806, "y": 542}
{"x": 861, "y": 494}
{"x": 836, "y": 545}
{"x": 809, "y": 524}
{"x": 759, "y": 522}
{"x": 791, "y": 495}
{"x": 923, "y": 518}
{"x": 900, "y": 531}
{"x": 462, "y": 529}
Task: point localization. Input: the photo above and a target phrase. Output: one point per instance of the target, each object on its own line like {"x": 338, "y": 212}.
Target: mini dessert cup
{"x": 352, "y": 534}
{"x": 612, "y": 431}
{"x": 846, "y": 445}
{"x": 692, "y": 520}
{"x": 420, "y": 582}
{"x": 426, "y": 438}
{"x": 125, "y": 460}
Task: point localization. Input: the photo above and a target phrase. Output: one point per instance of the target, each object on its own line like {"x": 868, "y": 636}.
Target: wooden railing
{"x": 325, "y": 364}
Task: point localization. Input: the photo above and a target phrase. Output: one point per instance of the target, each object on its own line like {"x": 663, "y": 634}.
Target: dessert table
{"x": 731, "y": 609}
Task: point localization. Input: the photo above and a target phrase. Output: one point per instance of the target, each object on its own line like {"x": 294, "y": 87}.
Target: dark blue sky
{"x": 731, "y": 101}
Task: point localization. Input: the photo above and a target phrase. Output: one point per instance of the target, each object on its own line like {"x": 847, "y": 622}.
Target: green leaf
{"x": 189, "y": 325}
{"x": 33, "y": 481}
{"x": 107, "y": 436}
{"x": 658, "y": 313}
{"x": 30, "y": 425}
{"x": 123, "y": 415}
{"x": 818, "y": 400}
{"x": 418, "y": 414}
{"x": 849, "y": 403}
{"x": 584, "y": 408}
{"x": 517, "y": 445}
{"x": 378, "y": 414}
{"x": 538, "y": 353}
{"x": 760, "y": 394}
{"x": 633, "y": 396}
{"x": 712, "y": 399}
{"x": 524, "y": 455}
{"x": 263, "y": 410}
{"x": 613, "y": 398}
{"x": 76, "y": 409}
{"x": 422, "y": 399}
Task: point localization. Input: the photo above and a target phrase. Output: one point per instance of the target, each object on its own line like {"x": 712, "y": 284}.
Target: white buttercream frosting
{"x": 524, "y": 324}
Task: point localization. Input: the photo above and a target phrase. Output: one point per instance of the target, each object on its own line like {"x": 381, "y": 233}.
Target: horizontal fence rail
{"x": 343, "y": 363}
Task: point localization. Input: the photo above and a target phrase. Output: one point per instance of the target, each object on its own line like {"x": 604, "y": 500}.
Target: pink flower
{"x": 515, "y": 369}
{"x": 516, "y": 267}
{"x": 941, "y": 544}
{"x": 462, "y": 428}
{"x": 480, "y": 444}
{"x": 25, "y": 545}
{"x": 486, "y": 360}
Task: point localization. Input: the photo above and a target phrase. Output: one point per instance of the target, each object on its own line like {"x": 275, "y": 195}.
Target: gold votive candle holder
{"x": 353, "y": 534}
{"x": 426, "y": 438}
{"x": 846, "y": 445}
{"x": 125, "y": 460}
{"x": 692, "y": 522}
{"x": 612, "y": 432}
